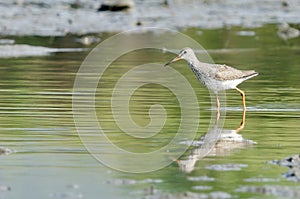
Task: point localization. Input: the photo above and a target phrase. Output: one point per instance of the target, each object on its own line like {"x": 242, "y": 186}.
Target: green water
{"x": 51, "y": 162}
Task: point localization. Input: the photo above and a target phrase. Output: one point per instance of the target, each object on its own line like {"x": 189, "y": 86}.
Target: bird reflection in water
{"x": 217, "y": 141}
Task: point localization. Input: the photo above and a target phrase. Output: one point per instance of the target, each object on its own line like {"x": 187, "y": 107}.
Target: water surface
{"x": 49, "y": 158}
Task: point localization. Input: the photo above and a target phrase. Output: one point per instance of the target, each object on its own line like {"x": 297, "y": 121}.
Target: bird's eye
{"x": 184, "y": 52}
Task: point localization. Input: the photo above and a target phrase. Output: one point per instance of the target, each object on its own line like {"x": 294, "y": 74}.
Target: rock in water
{"x": 87, "y": 40}
{"x": 286, "y": 32}
{"x": 116, "y": 5}
{"x": 6, "y": 151}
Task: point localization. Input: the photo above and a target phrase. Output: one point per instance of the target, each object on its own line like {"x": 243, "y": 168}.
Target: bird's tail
{"x": 249, "y": 73}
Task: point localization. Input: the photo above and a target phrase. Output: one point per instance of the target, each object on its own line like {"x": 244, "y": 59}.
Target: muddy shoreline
{"x": 62, "y": 17}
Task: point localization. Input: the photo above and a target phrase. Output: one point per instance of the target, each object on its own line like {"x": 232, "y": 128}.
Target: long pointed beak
{"x": 173, "y": 60}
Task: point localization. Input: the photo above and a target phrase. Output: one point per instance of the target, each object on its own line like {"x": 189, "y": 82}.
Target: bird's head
{"x": 185, "y": 53}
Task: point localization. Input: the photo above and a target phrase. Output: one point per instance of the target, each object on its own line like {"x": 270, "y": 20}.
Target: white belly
{"x": 217, "y": 85}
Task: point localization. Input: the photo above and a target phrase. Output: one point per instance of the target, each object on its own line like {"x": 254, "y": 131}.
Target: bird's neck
{"x": 193, "y": 62}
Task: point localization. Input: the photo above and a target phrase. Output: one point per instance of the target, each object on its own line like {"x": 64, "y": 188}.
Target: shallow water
{"x": 49, "y": 157}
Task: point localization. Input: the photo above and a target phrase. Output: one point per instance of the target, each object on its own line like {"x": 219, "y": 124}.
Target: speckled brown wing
{"x": 225, "y": 72}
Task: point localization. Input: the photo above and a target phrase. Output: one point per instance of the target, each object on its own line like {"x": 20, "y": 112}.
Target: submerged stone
{"x": 293, "y": 163}
{"x": 6, "y": 151}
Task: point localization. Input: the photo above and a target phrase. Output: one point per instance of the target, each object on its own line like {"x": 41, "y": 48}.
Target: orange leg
{"x": 243, "y": 97}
